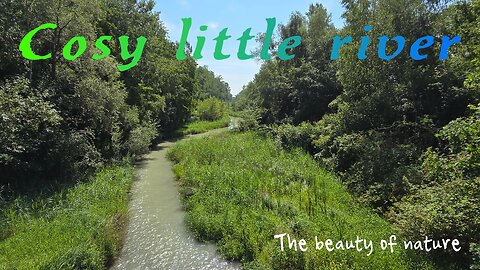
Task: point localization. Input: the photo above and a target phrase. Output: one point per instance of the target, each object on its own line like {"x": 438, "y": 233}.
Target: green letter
{"x": 102, "y": 47}
{"x": 242, "y": 55}
{"x": 136, "y": 55}
{"x": 264, "y": 55}
{"x": 25, "y": 44}
{"x": 282, "y": 49}
{"x": 187, "y": 24}
{"x": 197, "y": 54}
{"x": 67, "y": 50}
{"x": 222, "y": 36}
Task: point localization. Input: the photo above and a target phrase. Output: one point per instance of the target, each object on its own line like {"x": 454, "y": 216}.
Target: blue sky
{"x": 237, "y": 16}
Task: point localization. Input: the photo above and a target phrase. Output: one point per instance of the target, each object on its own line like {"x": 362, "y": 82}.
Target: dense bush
{"x": 288, "y": 136}
{"x": 28, "y": 124}
{"x": 447, "y": 204}
{"x": 249, "y": 119}
{"x": 210, "y": 109}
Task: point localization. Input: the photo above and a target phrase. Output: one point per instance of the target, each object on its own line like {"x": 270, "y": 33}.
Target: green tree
{"x": 210, "y": 109}
{"x": 299, "y": 89}
{"x": 210, "y": 85}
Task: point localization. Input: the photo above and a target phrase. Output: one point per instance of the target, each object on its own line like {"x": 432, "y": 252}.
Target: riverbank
{"x": 75, "y": 227}
{"x": 198, "y": 127}
{"x": 240, "y": 190}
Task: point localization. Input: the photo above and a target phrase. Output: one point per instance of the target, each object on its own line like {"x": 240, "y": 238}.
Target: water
{"x": 157, "y": 237}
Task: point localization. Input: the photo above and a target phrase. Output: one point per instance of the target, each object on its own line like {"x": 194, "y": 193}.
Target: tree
{"x": 210, "y": 85}
{"x": 299, "y": 89}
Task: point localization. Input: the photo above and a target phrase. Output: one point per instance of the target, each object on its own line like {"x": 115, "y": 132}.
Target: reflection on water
{"x": 157, "y": 237}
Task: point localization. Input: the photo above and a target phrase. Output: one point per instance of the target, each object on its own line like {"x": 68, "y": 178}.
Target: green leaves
{"x": 27, "y": 121}
{"x": 210, "y": 109}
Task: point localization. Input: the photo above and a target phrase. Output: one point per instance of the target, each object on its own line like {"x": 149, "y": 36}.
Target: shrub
{"x": 374, "y": 164}
{"x": 140, "y": 139}
{"x": 249, "y": 120}
{"x": 475, "y": 250}
{"x": 28, "y": 123}
{"x": 288, "y": 136}
{"x": 210, "y": 109}
{"x": 447, "y": 205}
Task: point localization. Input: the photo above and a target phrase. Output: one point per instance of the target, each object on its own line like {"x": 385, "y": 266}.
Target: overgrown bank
{"x": 76, "y": 227}
{"x": 241, "y": 190}
{"x": 402, "y": 134}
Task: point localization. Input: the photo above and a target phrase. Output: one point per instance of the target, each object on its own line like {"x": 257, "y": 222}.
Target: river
{"x": 157, "y": 236}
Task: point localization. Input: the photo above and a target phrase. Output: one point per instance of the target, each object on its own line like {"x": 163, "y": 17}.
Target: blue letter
{"x": 446, "y": 43}
{"x": 382, "y": 47}
{"x": 362, "y": 51}
{"x": 418, "y": 46}
{"x": 337, "y": 45}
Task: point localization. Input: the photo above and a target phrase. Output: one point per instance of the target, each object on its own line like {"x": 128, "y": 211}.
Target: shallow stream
{"x": 157, "y": 236}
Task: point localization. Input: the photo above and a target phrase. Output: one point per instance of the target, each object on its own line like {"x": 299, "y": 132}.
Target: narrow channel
{"x": 157, "y": 236}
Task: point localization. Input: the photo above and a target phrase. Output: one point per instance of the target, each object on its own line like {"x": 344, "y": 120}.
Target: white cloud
{"x": 212, "y": 25}
{"x": 183, "y": 3}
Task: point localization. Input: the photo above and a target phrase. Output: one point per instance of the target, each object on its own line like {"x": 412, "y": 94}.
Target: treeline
{"x": 62, "y": 119}
{"x": 403, "y": 134}
{"x": 211, "y": 85}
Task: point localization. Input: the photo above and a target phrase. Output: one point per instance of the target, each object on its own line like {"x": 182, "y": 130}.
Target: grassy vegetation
{"x": 242, "y": 191}
{"x": 203, "y": 126}
{"x": 75, "y": 228}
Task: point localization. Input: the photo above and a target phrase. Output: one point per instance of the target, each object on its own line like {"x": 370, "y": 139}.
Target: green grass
{"x": 204, "y": 126}
{"x": 75, "y": 228}
{"x": 245, "y": 191}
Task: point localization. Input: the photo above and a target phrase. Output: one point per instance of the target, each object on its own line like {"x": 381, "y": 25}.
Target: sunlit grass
{"x": 75, "y": 228}
{"x": 204, "y": 126}
{"x": 242, "y": 191}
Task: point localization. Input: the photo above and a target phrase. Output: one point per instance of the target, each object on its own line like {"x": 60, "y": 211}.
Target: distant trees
{"x": 210, "y": 85}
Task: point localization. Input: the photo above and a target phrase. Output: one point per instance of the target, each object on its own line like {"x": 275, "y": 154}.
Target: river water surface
{"x": 157, "y": 237}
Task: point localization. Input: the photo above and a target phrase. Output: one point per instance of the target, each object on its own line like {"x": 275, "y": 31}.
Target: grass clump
{"x": 78, "y": 227}
{"x": 241, "y": 190}
{"x": 201, "y": 126}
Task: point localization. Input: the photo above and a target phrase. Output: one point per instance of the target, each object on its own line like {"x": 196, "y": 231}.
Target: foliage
{"x": 249, "y": 119}
{"x": 379, "y": 118}
{"x": 288, "y": 136}
{"x": 74, "y": 227}
{"x": 197, "y": 127}
{"x": 210, "y": 109}
{"x": 27, "y": 124}
{"x": 447, "y": 204}
{"x": 245, "y": 191}
{"x": 210, "y": 85}
{"x": 300, "y": 89}
{"x": 83, "y": 113}
{"x": 475, "y": 249}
